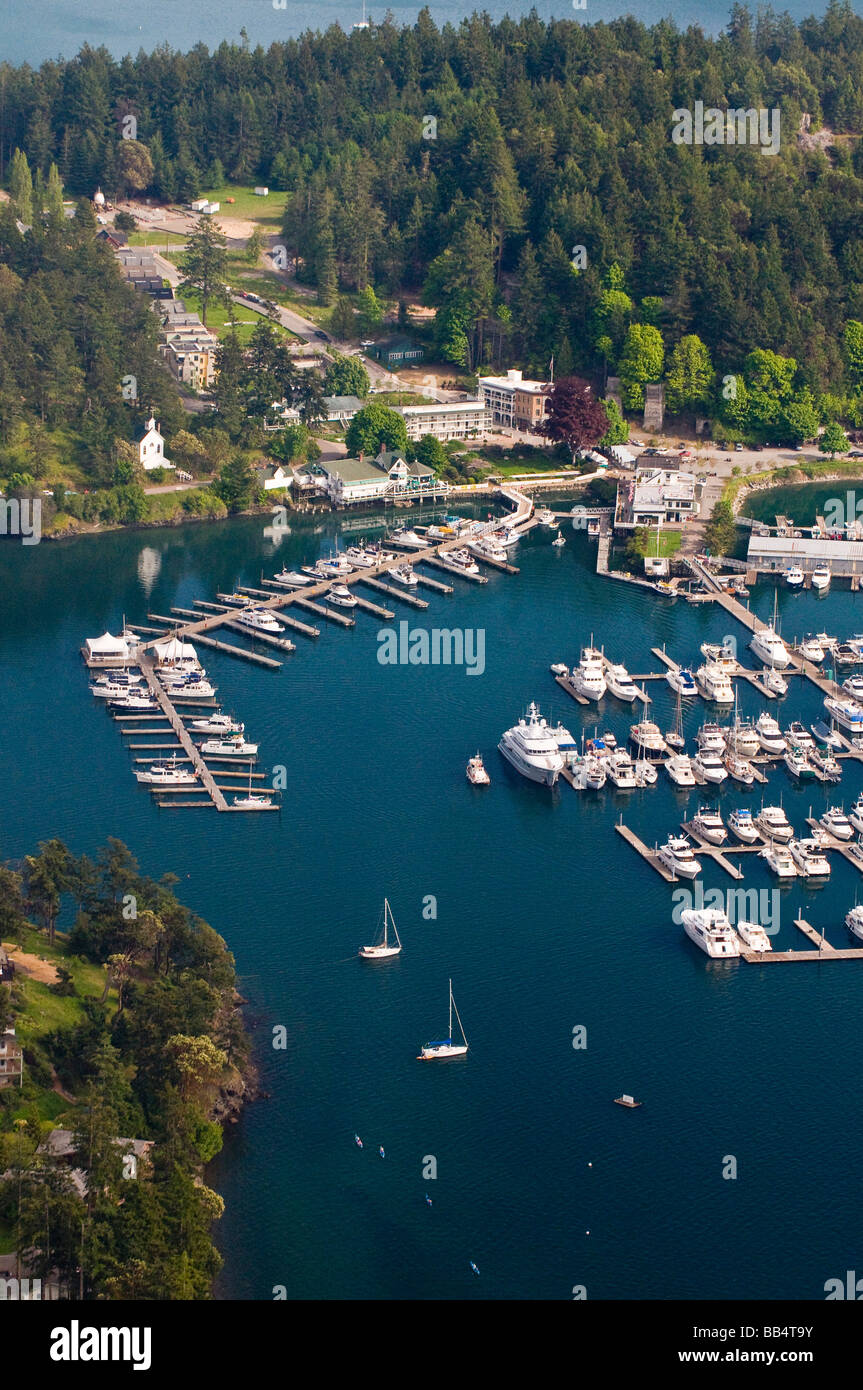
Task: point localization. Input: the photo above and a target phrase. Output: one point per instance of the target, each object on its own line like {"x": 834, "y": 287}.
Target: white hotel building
{"x": 449, "y": 420}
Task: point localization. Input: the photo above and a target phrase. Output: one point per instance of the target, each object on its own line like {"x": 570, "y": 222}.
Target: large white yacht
{"x": 532, "y": 749}
{"x": 647, "y": 737}
{"x": 259, "y": 620}
{"x": 847, "y": 713}
{"x": 715, "y": 684}
{"x": 217, "y": 724}
{"x": 854, "y": 921}
{"x": 774, "y": 824}
{"x": 403, "y": 574}
{"x": 778, "y": 859}
{"x": 710, "y": 929}
{"x": 682, "y": 682}
{"x": 334, "y": 566}
{"x": 837, "y": 823}
{"x": 620, "y": 682}
{"x": 588, "y": 677}
{"x": 739, "y": 769}
{"x": 742, "y": 739}
{"x": 233, "y": 746}
{"x": 769, "y": 647}
{"x": 676, "y": 854}
{"x": 619, "y": 768}
{"x": 679, "y": 769}
{"x": 810, "y": 858}
{"x": 167, "y": 773}
{"x": 710, "y": 765}
{"x": 362, "y": 559}
{"x": 742, "y": 826}
{"x": 709, "y": 825}
{"x": 769, "y": 734}
{"x": 711, "y": 738}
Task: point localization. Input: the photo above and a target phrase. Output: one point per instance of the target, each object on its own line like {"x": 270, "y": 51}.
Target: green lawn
{"x": 42, "y": 1011}
{"x": 152, "y": 238}
{"x": 267, "y": 211}
{"x": 669, "y": 544}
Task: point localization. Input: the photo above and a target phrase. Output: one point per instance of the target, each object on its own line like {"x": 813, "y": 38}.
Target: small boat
{"x": 167, "y": 773}
{"x": 476, "y": 772}
{"x": 381, "y": 1151}
{"x": 810, "y": 858}
{"x": 253, "y": 801}
{"x": 855, "y": 815}
{"x": 715, "y": 684}
{"x": 835, "y": 820}
{"x": 341, "y": 596}
{"x": 682, "y": 682}
{"x": 774, "y": 682}
{"x": 441, "y": 1051}
{"x": 797, "y": 762}
{"x": 823, "y": 761}
{"x": 136, "y": 702}
{"x": 112, "y": 689}
{"x": 674, "y": 738}
{"x": 811, "y": 650}
{"x": 233, "y": 746}
{"x": 773, "y": 824}
{"x": 459, "y": 560}
{"x": 428, "y": 1201}
{"x": 384, "y": 949}
{"x": 853, "y": 686}
{"x": 558, "y": 668}
{"x": 739, "y": 769}
{"x": 621, "y": 770}
{"x": 710, "y": 765}
{"x": 629, "y": 1101}
{"x": 827, "y": 735}
{"x": 821, "y": 578}
{"x": 711, "y": 930}
{"x": 742, "y": 826}
{"x": 709, "y": 825}
{"x": 794, "y": 577}
{"x": 358, "y": 1141}
{"x": 645, "y": 773}
{"x": 473, "y": 1267}
{"x": 769, "y": 734}
{"x": 217, "y": 724}
{"x": 488, "y": 549}
{"x": 558, "y": 541}
{"x": 620, "y": 682}
{"x": 403, "y": 574}
{"x": 798, "y": 734}
{"x": 718, "y": 654}
{"x": 312, "y": 571}
{"x": 259, "y": 620}
{"x": 768, "y": 645}
{"x": 710, "y": 738}
{"x": 754, "y": 936}
{"x": 779, "y": 860}
{"x": 679, "y": 769}
{"x": 292, "y": 579}
{"x": 854, "y": 921}
{"x": 676, "y": 854}
{"x": 334, "y": 566}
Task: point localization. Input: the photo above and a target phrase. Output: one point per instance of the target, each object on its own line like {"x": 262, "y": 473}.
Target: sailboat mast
{"x": 450, "y": 1011}
{"x": 386, "y": 913}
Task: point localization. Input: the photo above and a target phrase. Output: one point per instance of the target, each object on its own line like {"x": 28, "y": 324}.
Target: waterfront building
{"x": 397, "y": 352}
{"x": 779, "y": 552}
{"x": 447, "y": 420}
{"x": 654, "y": 497}
{"x": 389, "y": 477}
{"x": 513, "y": 401}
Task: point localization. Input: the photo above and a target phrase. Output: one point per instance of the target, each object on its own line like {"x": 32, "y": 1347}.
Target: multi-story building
{"x": 11, "y": 1059}
{"x": 655, "y": 497}
{"x": 513, "y": 401}
{"x": 449, "y": 420}
{"x": 389, "y": 477}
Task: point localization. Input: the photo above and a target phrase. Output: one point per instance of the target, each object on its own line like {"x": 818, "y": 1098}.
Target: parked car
{"x": 738, "y": 448}
{"x": 319, "y": 333}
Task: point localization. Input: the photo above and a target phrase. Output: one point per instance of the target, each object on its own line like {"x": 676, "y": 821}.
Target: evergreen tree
{"x": 204, "y": 265}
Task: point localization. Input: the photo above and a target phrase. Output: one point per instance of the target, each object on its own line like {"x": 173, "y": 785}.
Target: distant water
{"x": 546, "y": 920}
{"x": 802, "y": 502}
{"x": 65, "y": 25}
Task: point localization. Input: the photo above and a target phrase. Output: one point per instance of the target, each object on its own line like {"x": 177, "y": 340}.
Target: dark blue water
{"x": 67, "y": 24}
{"x": 545, "y": 919}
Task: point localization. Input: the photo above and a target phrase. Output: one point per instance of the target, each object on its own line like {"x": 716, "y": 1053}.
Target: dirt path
{"x": 33, "y": 966}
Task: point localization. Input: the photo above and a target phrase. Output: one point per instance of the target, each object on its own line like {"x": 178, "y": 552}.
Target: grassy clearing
{"x": 266, "y": 211}
{"x": 153, "y": 238}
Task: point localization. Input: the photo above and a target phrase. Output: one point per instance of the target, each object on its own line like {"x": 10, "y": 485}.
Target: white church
{"x": 151, "y": 449}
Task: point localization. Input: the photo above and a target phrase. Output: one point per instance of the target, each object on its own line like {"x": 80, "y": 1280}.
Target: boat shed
{"x": 106, "y": 651}
{"x": 778, "y": 552}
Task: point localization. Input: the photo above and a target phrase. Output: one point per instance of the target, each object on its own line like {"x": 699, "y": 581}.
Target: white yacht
{"x": 360, "y": 558}
{"x": 827, "y": 764}
{"x": 769, "y": 648}
{"x": 134, "y": 702}
{"x": 799, "y": 735}
{"x": 774, "y": 824}
{"x": 835, "y": 820}
{"x": 259, "y": 620}
{"x": 794, "y": 577}
{"x": 403, "y": 574}
{"x": 854, "y": 921}
{"x": 853, "y": 686}
{"x": 341, "y": 596}
{"x": 810, "y": 858}
{"x": 645, "y": 773}
{"x": 186, "y": 686}
{"x": 769, "y": 734}
{"x": 676, "y": 854}
{"x": 404, "y": 537}
{"x": 168, "y": 773}
{"x": 847, "y": 713}
{"x": 292, "y": 579}
{"x": 620, "y": 682}
{"x": 821, "y": 578}
{"x": 486, "y": 548}
{"x": 778, "y": 859}
{"x": 710, "y": 765}
{"x": 217, "y": 724}
{"x": 711, "y": 738}
{"x": 682, "y": 682}
{"x": 559, "y": 668}
{"x": 124, "y": 678}
{"x": 742, "y": 826}
{"x": 647, "y": 738}
{"x": 855, "y": 815}
{"x": 588, "y": 677}
{"x": 112, "y": 689}
{"x": 754, "y": 936}
{"x": 717, "y": 654}
{"x": 679, "y": 769}
{"x": 811, "y": 650}
{"x": 385, "y": 948}
{"x": 476, "y": 772}
{"x": 743, "y": 739}
{"x": 531, "y": 748}
{"x": 621, "y": 771}
{"x": 709, "y": 825}
{"x": 595, "y": 773}
{"x": 710, "y": 929}
{"x": 739, "y": 769}
{"x": 334, "y": 566}
{"x": 797, "y": 762}
{"x": 460, "y": 560}
{"x": 440, "y": 1051}
{"x": 715, "y": 684}
{"x": 776, "y": 684}
{"x": 233, "y": 746}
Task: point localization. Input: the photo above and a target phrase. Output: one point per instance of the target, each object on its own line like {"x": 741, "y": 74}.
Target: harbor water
{"x": 545, "y": 919}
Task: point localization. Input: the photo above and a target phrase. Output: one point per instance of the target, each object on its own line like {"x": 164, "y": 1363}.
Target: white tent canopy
{"x": 106, "y": 645}
{"x": 174, "y": 650}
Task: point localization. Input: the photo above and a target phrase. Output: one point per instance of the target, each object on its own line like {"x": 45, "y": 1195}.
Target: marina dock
{"x": 648, "y": 855}
{"x": 823, "y": 952}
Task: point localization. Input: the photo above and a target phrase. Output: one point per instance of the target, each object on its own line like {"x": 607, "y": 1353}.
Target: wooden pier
{"x": 368, "y": 607}
{"x": 228, "y": 648}
{"x": 440, "y": 563}
{"x": 648, "y": 855}
{"x": 145, "y": 662}
{"x": 389, "y": 589}
{"x": 824, "y": 951}
{"x": 566, "y": 684}
{"x": 435, "y": 584}
{"x": 328, "y": 613}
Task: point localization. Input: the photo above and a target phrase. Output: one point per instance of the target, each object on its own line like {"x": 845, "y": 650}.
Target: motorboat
{"x": 186, "y": 686}
{"x": 292, "y": 579}
{"x": 217, "y": 724}
{"x": 811, "y": 650}
{"x": 742, "y": 826}
{"x": 823, "y": 761}
{"x": 776, "y": 684}
{"x": 647, "y": 738}
{"x": 810, "y": 858}
{"x": 799, "y": 734}
{"x": 847, "y": 713}
{"x": 769, "y": 647}
{"x": 620, "y": 682}
{"x": 341, "y": 596}
{"x": 532, "y": 750}
{"x": 588, "y": 677}
{"x": 441, "y": 1051}
{"x": 711, "y": 930}
{"x": 710, "y": 765}
{"x": 125, "y": 678}
{"x": 558, "y": 541}
{"x": 621, "y": 770}
{"x": 679, "y": 769}
{"x": 709, "y": 825}
{"x": 742, "y": 739}
{"x": 847, "y": 654}
{"x": 559, "y": 668}
{"x": 403, "y": 574}
{"x": 609, "y": 739}
{"x": 855, "y": 815}
{"x": 645, "y": 773}
{"x": 778, "y": 859}
{"x": 362, "y": 559}
{"x": 233, "y": 746}
{"x": 334, "y": 566}
{"x": 385, "y": 948}
{"x": 711, "y": 738}
{"x": 682, "y": 682}
{"x": 715, "y": 684}
{"x": 486, "y": 548}
{"x": 718, "y": 654}
{"x": 259, "y": 620}
{"x": 677, "y": 855}
{"x": 595, "y": 770}
{"x": 837, "y": 823}
{"x": 827, "y": 735}
{"x": 111, "y": 689}
{"x": 754, "y": 936}
{"x": 476, "y": 772}
{"x": 821, "y": 578}
{"x": 404, "y": 536}
{"x": 769, "y": 734}
{"x": 459, "y": 560}
{"x": 774, "y": 824}
{"x": 134, "y": 702}
{"x": 854, "y": 921}
{"x": 794, "y": 577}
{"x": 853, "y": 686}
{"x": 167, "y": 773}
{"x": 797, "y": 762}
{"x": 739, "y": 769}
